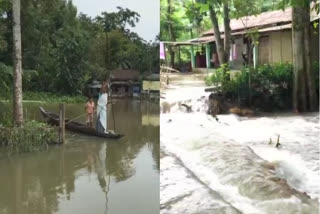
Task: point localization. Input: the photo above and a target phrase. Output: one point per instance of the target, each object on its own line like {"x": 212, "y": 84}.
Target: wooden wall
{"x": 276, "y": 47}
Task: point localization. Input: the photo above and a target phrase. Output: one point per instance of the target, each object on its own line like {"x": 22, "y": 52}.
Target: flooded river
{"x": 228, "y": 166}
{"x": 88, "y": 174}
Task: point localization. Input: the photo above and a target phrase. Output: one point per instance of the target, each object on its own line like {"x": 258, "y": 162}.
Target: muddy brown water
{"x": 88, "y": 174}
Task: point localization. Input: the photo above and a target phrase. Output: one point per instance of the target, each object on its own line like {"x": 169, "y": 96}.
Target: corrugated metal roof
{"x": 278, "y": 17}
{"x": 267, "y": 29}
{"x": 204, "y": 39}
{"x": 207, "y": 39}
{"x": 124, "y": 75}
{"x": 177, "y": 43}
{"x": 276, "y": 28}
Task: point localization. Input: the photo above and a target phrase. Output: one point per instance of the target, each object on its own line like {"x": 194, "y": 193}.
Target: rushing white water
{"x": 181, "y": 192}
{"x": 232, "y": 157}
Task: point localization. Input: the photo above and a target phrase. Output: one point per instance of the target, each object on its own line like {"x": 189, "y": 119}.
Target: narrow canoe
{"x": 53, "y": 119}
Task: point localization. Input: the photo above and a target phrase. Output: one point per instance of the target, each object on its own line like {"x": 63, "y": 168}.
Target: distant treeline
{"x": 63, "y": 51}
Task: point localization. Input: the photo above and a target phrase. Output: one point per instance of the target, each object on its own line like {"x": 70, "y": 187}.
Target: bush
{"x": 6, "y": 77}
{"x": 47, "y": 97}
{"x": 33, "y": 136}
{"x": 219, "y": 77}
{"x": 53, "y": 98}
{"x": 276, "y": 82}
{"x": 271, "y": 85}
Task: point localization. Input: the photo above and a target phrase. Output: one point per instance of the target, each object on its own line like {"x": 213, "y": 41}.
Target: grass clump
{"x": 47, "y": 97}
{"x": 33, "y": 136}
{"x": 53, "y": 98}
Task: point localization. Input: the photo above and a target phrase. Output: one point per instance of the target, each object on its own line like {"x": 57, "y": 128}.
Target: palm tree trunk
{"x": 17, "y": 65}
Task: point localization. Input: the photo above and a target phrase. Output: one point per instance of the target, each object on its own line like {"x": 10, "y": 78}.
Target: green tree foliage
{"x": 65, "y": 49}
{"x": 176, "y": 18}
{"x": 193, "y": 15}
{"x": 118, "y": 20}
{"x": 6, "y": 76}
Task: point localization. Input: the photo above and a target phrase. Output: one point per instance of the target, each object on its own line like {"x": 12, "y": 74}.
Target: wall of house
{"x": 264, "y": 49}
{"x": 275, "y": 47}
{"x": 151, "y": 85}
{"x": 281, "y": 46}
{"x": 237, "y": 48}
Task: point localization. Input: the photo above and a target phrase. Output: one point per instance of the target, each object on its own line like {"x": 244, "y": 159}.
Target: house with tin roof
{"x": 274, "y": 43}
{"x": 124, "y": 83}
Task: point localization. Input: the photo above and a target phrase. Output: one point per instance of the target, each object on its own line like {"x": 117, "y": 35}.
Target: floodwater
{"x": 228, "y": 166}
{"x": 88, "y": 174}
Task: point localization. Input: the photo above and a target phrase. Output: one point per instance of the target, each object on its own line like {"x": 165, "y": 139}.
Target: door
{"x": 263, "y": 51}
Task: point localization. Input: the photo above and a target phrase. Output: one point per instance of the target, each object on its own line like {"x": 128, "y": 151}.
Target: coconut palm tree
{"x": 17, "y": 65}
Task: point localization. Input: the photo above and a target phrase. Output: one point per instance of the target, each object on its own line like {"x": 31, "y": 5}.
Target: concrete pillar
{"x": 193, "y": 62}
{"x": 208, "y": 61}
{"x": 255, "y": 55}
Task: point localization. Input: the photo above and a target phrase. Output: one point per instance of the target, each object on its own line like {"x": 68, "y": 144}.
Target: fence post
{"x": 61, "y": 123}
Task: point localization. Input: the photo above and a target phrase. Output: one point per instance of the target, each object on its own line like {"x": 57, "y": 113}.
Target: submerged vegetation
{"x": 33, "y": 136}
{"x": 53, "y": 98}
{"x": 47, "y": 97}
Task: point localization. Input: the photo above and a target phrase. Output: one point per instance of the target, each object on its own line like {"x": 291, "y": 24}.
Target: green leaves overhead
{"x": 193, "y": 15}
{"x": 195, "y": 12}
{"x": 176, "y": 18}
{"x": 67, "y": 50}
{"x": 118, "y": 20}
{"x": 247, "y": 8}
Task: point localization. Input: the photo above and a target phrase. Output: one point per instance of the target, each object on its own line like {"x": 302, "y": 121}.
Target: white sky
{"x": 149, "y": 10}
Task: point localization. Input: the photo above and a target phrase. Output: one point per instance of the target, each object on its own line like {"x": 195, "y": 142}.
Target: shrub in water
{"x": 33, "y": 136}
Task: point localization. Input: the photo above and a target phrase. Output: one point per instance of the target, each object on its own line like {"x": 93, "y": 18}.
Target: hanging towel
{"x": 162, "y": 52}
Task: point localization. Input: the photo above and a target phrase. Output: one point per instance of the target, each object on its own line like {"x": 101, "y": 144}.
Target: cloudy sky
{"x": 149, "y": 10}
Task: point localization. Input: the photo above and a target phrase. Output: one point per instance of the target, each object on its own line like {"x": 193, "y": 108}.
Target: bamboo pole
{"x": 114, "y": 122}
{"x": 62, "y": 123}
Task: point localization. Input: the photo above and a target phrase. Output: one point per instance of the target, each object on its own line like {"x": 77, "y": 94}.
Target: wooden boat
{"x": 53, "y": 119}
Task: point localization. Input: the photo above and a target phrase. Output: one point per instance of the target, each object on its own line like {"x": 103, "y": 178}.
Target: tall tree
{"x": 17, "y": 65}
{"x": 170, "y": 31}
{"x": 223, "y": 46}
{"x": 195, "y": 15}
{"x": 64, "y": 50}
{"x": 171, "y": 24}
{"x": 304, "y": 91}
{"x": 116, "y": 21}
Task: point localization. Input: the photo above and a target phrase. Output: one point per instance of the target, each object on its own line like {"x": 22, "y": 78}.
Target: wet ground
{"x": 88, "y": 174}
{"x": 228, "y": 166}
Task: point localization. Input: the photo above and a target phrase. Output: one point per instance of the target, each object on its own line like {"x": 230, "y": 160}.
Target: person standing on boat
{"x": 90, "y": 109}
{"x": 101, "y": 125}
